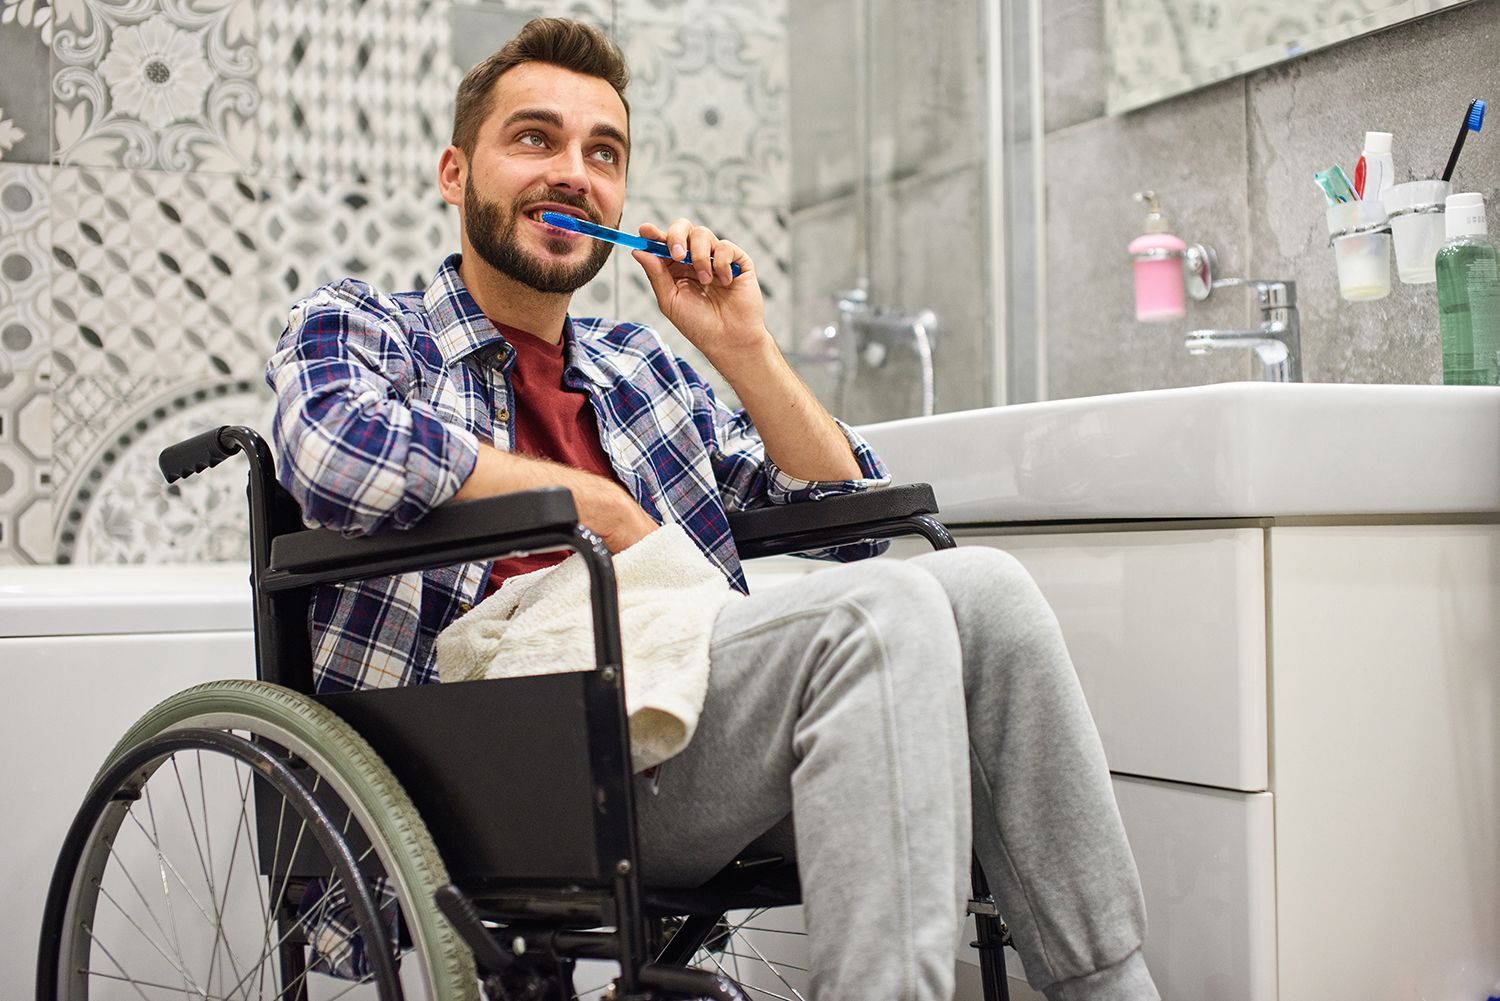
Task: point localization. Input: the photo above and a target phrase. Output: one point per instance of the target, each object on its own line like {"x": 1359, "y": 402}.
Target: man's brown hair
{"x": 572, "y": 45}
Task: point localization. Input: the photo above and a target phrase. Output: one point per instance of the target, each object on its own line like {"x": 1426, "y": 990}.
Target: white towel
{"x": 540, "y": 623}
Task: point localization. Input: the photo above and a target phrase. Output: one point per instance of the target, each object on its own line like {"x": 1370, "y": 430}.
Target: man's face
{"x": 554, "y": 141}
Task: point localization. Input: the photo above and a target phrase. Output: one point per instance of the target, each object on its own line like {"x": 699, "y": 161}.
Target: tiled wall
{"x": 924, "y": 162}
{"x": 1233, "y": 165}
{"x": 152, "y": 237}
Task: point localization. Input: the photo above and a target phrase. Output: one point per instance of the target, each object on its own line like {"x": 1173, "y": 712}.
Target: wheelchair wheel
{"x": 764, "y": 950}
{"x": 232, "y": 840}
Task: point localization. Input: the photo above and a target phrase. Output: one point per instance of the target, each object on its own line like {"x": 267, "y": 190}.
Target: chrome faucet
{"x": 1276, "y": 342}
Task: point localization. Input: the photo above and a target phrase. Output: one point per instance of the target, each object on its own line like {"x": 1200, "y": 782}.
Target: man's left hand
{"x": 720, "y": 314}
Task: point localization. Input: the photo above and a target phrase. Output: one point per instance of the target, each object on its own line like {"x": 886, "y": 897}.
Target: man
{"x": 866, "y": 695}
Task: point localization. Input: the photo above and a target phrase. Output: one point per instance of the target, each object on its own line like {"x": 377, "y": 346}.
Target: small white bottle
{"x": 1376, "y": 170}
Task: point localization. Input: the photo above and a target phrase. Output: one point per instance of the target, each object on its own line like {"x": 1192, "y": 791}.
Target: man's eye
{"x": 607, "y": 155}
{"x": 531, "y": 139}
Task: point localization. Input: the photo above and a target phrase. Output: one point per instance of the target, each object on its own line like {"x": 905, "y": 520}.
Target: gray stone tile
{"x": 477, "y": 30}
{"x": 929, "y": 251}
{"x": 25, "y": 93}
{"x": 1309, "y": 114}
{"x": 823, "y": 75}
{"x": 1074, "y": 62}
{"x": 927, "y": 86}
{"x": 1192, "y": 153}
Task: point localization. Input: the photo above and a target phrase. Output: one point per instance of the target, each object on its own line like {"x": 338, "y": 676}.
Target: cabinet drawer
{"x": 1167, "y": 630}
{"x": 1207, "y": 864}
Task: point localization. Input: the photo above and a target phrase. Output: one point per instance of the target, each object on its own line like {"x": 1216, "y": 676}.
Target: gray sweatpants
{"x": 880, "y": 705}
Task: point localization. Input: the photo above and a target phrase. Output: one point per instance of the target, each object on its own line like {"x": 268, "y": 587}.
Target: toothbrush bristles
{"x": 1476, "y": 116}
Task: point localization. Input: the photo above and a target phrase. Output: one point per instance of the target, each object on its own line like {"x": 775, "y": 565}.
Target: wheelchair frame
{"x": 440, "y": 740}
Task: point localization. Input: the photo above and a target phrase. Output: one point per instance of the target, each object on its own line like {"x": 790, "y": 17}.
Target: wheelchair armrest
{"x": 482, "y": 529}
{"x": 874, "y": 514}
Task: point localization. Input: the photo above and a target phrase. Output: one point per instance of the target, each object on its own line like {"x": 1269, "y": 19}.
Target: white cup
{"x": 1417, "y": 227}
{"x": 1361, "y": 241}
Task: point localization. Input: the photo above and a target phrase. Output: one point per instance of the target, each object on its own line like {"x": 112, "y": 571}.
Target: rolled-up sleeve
{"x": 357, "y": 449}
{"x": 748, "y": 478}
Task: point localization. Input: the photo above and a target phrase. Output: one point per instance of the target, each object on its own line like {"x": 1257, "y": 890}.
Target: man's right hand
{"x": 616, "y": 519}
{"x": 604, "y": 507}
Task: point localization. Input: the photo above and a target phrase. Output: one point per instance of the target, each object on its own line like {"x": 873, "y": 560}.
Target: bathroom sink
{"x": 1230, "y": 450}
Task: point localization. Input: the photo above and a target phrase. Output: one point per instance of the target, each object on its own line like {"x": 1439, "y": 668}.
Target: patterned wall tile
{"x": 599, "y": 13}
{"x": 86, "y": 409}
{"x": 25, "y": 268}
{"x": 708, "y": 114}
{"x": 355, "y": 90}
{"x": 25, "y": 52}
{"x": 767, "y": 17}
{"x": 155, "y": 83}
{"x": 155, "y": 273}
{"x": 26, "y": 475}
{"x": 116, "y": 508}
{"x": 313, "y": 233}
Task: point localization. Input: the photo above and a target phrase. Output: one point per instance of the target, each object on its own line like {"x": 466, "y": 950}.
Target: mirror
{"x": 1161, "y": 48}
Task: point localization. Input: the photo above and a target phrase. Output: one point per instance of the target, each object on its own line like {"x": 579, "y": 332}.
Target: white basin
{"x": 1244, "y": 449}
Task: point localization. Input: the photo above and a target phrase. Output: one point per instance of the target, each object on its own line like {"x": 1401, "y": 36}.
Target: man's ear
{"x": 453, "y": 172}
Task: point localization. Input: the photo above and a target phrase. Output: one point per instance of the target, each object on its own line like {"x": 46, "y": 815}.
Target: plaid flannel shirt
{"x": 381, "y": 401}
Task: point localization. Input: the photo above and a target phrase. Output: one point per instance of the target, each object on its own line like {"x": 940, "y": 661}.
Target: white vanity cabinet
{"x": 1304, "y": 723}
{"x": 84, "y": 652}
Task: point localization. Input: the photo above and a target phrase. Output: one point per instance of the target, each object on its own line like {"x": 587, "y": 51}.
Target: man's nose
{"x": 568, "y": 170}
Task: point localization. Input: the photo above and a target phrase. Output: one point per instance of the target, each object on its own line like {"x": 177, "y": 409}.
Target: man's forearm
{"x": 603, "y": 505}
{"x": 799, "y": 435}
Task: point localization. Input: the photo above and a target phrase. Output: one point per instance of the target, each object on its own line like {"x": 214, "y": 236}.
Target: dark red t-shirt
{"x": 551, "y": 422}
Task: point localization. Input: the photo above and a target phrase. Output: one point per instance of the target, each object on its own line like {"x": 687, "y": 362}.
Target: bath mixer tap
{"x": 1276, "y": 342}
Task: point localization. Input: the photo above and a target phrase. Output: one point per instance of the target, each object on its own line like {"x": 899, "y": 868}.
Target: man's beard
{"x": 492, "y": 233}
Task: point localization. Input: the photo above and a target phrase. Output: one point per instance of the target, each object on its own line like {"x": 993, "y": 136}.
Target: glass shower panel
{"x": 893, "y": 297}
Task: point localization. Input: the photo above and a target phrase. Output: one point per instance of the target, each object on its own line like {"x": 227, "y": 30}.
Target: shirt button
{"x": 503, "y": 415}
{"x": 464, "y": 608}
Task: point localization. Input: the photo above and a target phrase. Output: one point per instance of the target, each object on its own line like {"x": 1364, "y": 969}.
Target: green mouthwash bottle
{"x": 1468, "y": 288}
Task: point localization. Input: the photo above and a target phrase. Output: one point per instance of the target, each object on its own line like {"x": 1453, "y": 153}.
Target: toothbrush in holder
{"x": 1473, "y": 119}
{"x": 615, "y": 236}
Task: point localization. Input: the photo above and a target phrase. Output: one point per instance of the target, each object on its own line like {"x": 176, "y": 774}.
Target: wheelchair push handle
{"x": 200, "y": 452}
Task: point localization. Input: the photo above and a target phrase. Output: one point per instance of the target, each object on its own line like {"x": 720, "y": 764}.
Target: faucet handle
{"x": 1271, "y": 293}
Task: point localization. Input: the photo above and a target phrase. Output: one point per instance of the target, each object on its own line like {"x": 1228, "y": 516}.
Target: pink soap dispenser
{"x": 1159, "y": 294}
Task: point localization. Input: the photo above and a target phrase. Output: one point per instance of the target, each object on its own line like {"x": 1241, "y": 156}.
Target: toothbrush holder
{"x": 1418, "y": 227}
{"x": 1360, "y": 235}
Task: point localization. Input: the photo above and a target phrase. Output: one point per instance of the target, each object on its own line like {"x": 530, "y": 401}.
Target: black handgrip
{"x": 200, "y": 452}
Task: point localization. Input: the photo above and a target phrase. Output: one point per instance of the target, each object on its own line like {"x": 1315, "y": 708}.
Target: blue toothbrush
{"x": 1473, "y": 119}
{"x": 616, "y": 236}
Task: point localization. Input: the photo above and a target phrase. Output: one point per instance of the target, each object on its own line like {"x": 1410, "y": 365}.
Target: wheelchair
{"x": 253, "y": 839}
